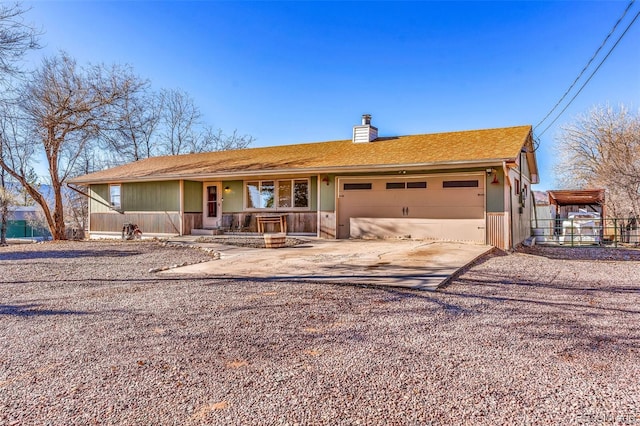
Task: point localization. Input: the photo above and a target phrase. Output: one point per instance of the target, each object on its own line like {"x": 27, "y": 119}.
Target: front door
{"x": 212, "y": 209}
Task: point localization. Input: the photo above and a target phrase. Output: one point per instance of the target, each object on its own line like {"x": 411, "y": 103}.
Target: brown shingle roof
{"x": 429, "y": 150}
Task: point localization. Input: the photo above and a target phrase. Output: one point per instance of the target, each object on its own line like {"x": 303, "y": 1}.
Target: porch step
{"x": 205, "y": 231}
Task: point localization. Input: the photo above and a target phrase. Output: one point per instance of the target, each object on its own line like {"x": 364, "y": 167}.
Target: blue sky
{"x": 289, "y": 72}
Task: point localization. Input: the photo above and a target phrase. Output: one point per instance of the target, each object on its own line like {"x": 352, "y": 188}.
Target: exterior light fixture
{"x": 493, "y": 172}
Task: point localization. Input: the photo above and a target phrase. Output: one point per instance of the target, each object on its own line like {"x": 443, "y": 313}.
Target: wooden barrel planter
{"x": 275, "y": 240}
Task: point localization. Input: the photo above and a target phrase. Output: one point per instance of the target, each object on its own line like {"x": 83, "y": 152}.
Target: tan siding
{"x": 434, "y": 202}
{"x": 521, "y": 226}
{"x": 462, "y": 230}
{"x": 328, "y": 224}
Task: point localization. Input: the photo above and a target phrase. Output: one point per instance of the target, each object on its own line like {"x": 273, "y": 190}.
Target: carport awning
{"x": 573, "y": 197}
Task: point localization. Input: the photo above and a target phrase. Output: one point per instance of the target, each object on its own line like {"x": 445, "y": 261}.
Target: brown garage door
{"x": 443, "y": 207}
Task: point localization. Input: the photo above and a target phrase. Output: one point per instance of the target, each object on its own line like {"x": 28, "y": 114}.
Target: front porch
{"x": 297, "y": 223}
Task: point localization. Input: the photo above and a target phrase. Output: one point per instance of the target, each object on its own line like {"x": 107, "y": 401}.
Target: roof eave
{"x": 311, "y": 170}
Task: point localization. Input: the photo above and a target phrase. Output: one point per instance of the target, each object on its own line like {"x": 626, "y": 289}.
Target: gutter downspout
{"x": 93, "y": 198}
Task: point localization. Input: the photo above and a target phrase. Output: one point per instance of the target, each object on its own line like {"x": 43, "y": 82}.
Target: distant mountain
{"x": 541, "y": 197}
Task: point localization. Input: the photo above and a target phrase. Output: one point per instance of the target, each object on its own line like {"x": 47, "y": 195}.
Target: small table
{"x": 280, "y": 219}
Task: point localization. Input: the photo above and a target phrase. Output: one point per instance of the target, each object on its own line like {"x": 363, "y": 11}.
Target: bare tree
{"x": 135, "y": 124}
{"x": 63, "y": 108}
{"x": 180, "y": 120}
{"x": 16, "y": 38}
{"x": 215, "y": 140}
{"x": 6, "y": 199}
{"x": 148, "y": 124}
{"x": 601, "y": 149}
{"x": 183, "y": 131}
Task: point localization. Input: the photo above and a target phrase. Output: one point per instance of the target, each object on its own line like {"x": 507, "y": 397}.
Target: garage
{"x": 440, "y": 207}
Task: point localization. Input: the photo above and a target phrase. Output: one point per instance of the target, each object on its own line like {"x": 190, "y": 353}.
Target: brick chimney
{"x": 365, "y": 132}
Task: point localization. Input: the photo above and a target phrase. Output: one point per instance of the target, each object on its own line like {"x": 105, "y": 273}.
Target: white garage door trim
{"x": 426, "y": 220}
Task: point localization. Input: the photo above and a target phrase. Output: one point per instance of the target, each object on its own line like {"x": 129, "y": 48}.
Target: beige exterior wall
{"x": 519, "y": 209}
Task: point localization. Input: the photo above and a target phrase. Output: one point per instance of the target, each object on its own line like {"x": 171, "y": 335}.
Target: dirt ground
{"x": 89, "y": 336}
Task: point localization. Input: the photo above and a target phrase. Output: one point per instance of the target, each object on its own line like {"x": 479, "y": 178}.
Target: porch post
{"x": 181, "y": 214}
{"x": 318, "y": 219}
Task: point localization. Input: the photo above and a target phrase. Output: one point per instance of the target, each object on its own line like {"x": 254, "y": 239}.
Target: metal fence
{"x": 575, "y": 232}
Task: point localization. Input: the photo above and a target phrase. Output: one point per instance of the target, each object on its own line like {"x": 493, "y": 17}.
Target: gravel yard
{"x": 89, "y": 336}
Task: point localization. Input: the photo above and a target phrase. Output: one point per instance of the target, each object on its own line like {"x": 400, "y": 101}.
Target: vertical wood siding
{"x": 151, "y": 196}
{"x": 496, "y": 230}
{"x": 192, "y": 196}
{"x": 150, "y": 223}
{"x": 191, "y": 221}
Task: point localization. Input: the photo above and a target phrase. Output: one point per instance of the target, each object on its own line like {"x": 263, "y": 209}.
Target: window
{"x": 114, "y": 196}
{"x": 416, "y": 185}
{"x": 284, "y": 193}
{"x": 301, "y": 193}
{"x": 460, "y": 184}
{"x": 212, "y": 201}
{"x": 516, "y": 187}
{"x": 260, "y": 194}
{"x": 408, "y": 185}
{"x": 356, "y": 186}
{"x": 395, "y": 185}
{"x": 270, "y": 194}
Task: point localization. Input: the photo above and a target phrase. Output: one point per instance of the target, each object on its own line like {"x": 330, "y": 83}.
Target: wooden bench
{"x": 280, "y": 219}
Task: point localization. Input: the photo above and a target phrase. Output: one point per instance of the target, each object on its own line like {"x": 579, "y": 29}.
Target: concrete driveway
{"x": 400, "y": 263}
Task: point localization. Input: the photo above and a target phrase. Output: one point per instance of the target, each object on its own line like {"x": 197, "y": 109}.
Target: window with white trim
{"x": 277, "y": 194}
{"x": 114, "y": 196}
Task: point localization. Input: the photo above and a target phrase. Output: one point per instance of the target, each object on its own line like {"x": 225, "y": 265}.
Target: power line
{"x": 592, "y": 74}
{"x": 588, "y": 63}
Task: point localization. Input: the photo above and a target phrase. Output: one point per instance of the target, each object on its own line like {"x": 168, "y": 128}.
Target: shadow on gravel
{"x": 584, "y": 253}
{"x": 33, "y": 311}
{"x": 499, "y": 282}
{"x": 65, "y": 254}
{"x": 568, "y": 302}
